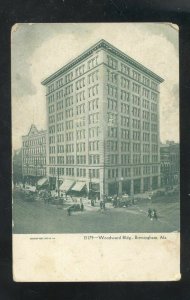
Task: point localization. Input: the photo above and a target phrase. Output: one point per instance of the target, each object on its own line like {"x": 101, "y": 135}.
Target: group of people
{"x": 152, "y": 214}
{"x": 102, "y": 205}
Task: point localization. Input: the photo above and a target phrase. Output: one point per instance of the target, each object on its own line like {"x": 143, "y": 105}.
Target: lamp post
{"x": 36, "y": 170}
{"x": 90, "y": 186}
{"x": 27, "y": 162}
{"x": 26, "y": 174}
{"x": 58, "y": 190}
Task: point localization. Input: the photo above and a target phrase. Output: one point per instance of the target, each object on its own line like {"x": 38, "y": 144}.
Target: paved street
{"x": 37, "y": 217}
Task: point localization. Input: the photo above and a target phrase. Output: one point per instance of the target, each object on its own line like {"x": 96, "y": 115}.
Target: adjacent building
{"x": 17, "y": 166}
{"x": 103, "y": 123}
{"x": 170, "y": 163}
{"x": 34, "y": 155}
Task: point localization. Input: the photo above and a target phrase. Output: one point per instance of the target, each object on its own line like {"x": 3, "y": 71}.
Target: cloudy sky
{"x": 38, "y": 50}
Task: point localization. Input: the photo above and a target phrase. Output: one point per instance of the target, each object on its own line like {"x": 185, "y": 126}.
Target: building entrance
{"x": 146, "y": 184}
{"x": 154, "y": 182}
{"x": 137, "y": 186}
{"x": 126, "y": 187}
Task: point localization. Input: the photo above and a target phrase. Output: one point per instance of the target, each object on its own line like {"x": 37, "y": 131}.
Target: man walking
{"x": 149, "y": 213}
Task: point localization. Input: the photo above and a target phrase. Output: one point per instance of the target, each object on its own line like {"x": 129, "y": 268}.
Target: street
{"x": 38, "y": 217}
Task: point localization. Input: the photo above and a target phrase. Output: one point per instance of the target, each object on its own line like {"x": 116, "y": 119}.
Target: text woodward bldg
{"x": 103, "y": 123}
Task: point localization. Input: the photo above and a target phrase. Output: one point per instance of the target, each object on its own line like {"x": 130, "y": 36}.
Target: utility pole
{"x": 36, "y": 163}
{"x": 117, "y": 185}
{"x": 90, "y": 185}
{"x": 58, "y": 182}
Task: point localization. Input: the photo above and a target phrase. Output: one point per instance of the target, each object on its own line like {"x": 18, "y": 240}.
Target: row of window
{"x": 80, "y": 83}
{"x": 69, "y": 136}
{"x": 69, "y": 124}
{"x": 80, "y": 70}
{"x": 125, "y": 69}
{"x": 37, "y": 161}
{"x": 112, "y": 103}
{"x": 113, "y": 63}
{"x": 94, "y": 173}
{"x": 80, "y": 109}
{"x": 60, "y": 138}
{"x": 93, "y": 146}
{"x": 60, "y": 127}
{"x": 112, "y": 145}
{"x": 81, "y": 159}
{"x": 93, "y": 118}
{"x": 80, "y": 96}
{"x": 93, "y": 77}
{"x": 70, "y": 159}
{"x": 69, "y": 113}
{"x": 93, "y": 104}
{"x": 69, "y": 100}
{"x": 95, "y": 159}
{"x": 80, "y": 122}
{"x": 34, "y": 151}
{"x": 34, "y": 142}
{"x": 81, "y": 147}
{"x": 111, "y": 76}
{"x": 59, "y": 94}
{"x": 34, "y": 172}
{"x": 81, "y": 134}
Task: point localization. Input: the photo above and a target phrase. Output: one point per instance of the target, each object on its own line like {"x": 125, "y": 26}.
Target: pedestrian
{"x": 82, "y": 207}
{"x": 155, "y": 214}
{"x": 149, "y": 213}
{"x": 101, "y": 203}
{"x": 104, "y": 205}
{"x": 68, "y": 211}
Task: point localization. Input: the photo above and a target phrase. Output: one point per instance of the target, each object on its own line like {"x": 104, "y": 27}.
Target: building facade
{"x": 170, "y": 164}
{"x": 103, "y": 122}
{"x": 34, "y": 155}
{"x": 17, "y": 166}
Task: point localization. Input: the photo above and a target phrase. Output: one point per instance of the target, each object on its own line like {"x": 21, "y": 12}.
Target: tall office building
{"x": 103, "y": 123}
{"x": 34, "y": 155}
{"x": 169, "y": 163}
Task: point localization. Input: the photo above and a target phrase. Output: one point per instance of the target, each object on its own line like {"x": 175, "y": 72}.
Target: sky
{"x": 38, "y": 50}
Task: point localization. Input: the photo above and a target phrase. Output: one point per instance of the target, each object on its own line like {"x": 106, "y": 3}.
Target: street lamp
{"x": 90, "y": 185}
{"x": 58, "y": 190}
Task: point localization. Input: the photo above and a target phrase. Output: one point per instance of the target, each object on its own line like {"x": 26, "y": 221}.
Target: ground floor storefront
{"x": 96, "y": 189}
{"x": 132, "y": 186}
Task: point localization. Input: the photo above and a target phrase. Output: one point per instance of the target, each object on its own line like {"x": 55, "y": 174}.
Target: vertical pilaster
{"x": 141, "y": 185}
{"x": 120, "y": 187}
{"x": 103, "y": 125}
{"x": 132, "y": 187}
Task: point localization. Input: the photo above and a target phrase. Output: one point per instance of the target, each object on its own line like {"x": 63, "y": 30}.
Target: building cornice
{"x": 102, "y": 44}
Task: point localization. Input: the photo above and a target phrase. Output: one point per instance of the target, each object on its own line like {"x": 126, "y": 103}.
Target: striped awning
{"x": 42, "y": 181}
{"x": 66, "y": 185}
{"x": 79, "y": 185}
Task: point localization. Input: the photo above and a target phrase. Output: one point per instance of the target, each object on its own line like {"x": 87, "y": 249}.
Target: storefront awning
{"x": 42, "y": 181}
{"x": 78, "y": 186}
{"x": 66, "y": 185}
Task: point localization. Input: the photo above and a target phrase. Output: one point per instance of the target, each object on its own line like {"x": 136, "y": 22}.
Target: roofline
{"x": 39, "y": 133}
{"x": 107, "y": 46}
{"x": 42, "y": 131}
